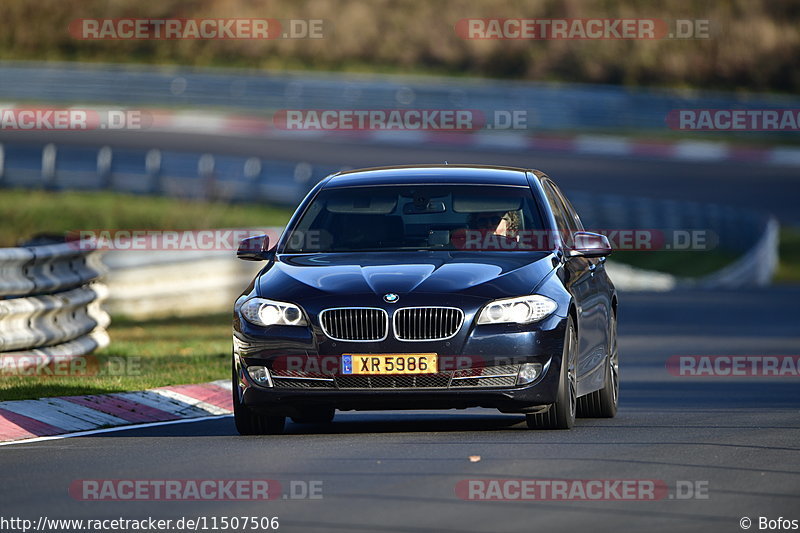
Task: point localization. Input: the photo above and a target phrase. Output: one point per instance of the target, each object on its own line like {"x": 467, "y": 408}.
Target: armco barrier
{"x": 51, "y": 300}
{"x": 736, "y": 229}
{"x": 549, "y": 106}
{"x": 159, "y": 172}
{"x": 756, "y": 267}
{"x": 751, "y": 235}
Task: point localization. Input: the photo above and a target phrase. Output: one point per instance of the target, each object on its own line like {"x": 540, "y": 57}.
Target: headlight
{"x": 523, "y": 310}
{"x": 263, "y": 312}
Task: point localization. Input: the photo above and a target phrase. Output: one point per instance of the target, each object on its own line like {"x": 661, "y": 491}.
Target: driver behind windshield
{"x": 501, "y": 223}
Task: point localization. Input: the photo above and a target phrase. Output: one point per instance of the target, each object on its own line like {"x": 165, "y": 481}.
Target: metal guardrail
{"x": 51, "y": 300}
{"x": 732, "y": 229}
{"x": 750, "y": 234}
{"x": 549, "y": 106}
{"x": 154, "y": 171}
{"x": 756, "y": 267}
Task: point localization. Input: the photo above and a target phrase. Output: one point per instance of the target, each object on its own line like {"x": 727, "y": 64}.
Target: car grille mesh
{"x": 394, "y": 382}
{"x": 355, "y": 323}
{"x": 427, "y": 323}
{"x": 487, "y": 371}
{"x": 478, "y": 382}
{"x": 487, "y": 376}
{"x": 483, "y": 377}
{"x": 279, "y": 383}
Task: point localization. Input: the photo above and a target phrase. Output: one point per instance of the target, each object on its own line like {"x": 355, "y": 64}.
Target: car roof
{"x": 430, "y": 174}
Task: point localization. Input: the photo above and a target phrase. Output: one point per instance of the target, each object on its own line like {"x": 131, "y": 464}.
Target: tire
{"x": 250, "y": 423}
{"x": 603, "y": 403}
{"x": 561, "y": 414}
{"x": 319, "y": 416}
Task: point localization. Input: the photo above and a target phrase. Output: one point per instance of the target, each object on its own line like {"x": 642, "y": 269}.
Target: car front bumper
{"x": 480, "y": 351}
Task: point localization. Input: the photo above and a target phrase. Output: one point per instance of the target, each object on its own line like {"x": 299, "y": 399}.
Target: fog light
{"x": 528, "y": 373}
{"x": 260, "y": 375}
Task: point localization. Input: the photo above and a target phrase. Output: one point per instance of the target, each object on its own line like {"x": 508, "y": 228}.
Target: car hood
{"x": 478, "y": 274}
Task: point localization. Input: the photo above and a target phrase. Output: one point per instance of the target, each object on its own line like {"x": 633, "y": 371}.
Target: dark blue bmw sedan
{"x": 427, "y": 287}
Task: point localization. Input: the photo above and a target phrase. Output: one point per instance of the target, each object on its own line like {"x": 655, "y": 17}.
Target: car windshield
{"x": 416, "y": 217}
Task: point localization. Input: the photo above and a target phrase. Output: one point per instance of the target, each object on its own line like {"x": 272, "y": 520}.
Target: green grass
{"x": 142, "y": 355}
{"x": 26, "y": 213}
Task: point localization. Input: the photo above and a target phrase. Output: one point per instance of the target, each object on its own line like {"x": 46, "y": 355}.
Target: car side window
{"x": 566, "y": 225}
{"x": 571, "y": 213}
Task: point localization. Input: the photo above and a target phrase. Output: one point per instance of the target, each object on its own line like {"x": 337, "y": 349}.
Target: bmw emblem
{"x": 390, "y": 298}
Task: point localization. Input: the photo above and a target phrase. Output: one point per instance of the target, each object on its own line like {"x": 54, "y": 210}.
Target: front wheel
{"x": 250, "y": 423}
{"x": 561, "y": 414}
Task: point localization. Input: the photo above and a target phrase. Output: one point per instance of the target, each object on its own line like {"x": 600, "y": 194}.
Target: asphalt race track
{"x": 735, "y": 439}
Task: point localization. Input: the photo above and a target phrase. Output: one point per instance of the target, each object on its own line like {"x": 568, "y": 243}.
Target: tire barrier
{"x": 50, "y": 300}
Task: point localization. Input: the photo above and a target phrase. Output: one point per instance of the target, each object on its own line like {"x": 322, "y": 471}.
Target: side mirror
{"x": 589, "y": 244}
{"x": 254, "y": 248}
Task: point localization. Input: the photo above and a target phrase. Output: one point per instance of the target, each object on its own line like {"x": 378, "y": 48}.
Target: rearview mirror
{"x": 424, "y": 209}
{"x": 254, "y": 248}
{"x": 589, "y": 244}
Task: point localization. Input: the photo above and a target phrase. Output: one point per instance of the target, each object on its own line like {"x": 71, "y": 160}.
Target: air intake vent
{"x": 428, "y": 381}
{"x": 357, "y": 324}
{"x": 427, "y": 323}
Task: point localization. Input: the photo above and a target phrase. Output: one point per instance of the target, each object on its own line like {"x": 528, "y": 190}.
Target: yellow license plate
{"x": 389, "y": 363}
